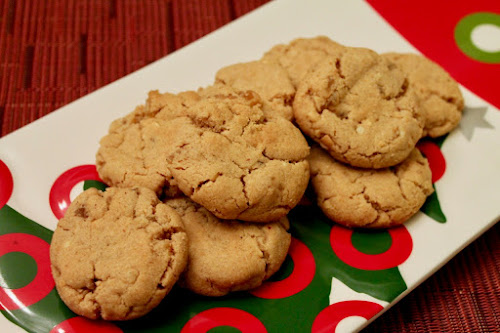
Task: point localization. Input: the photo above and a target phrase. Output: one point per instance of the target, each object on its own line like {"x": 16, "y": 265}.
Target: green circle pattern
{"x": 285, "y": 270}
{"x": 224, "y": 329}
{"x": 371, "y": 241}
{"x": 17, "y": 270}
{"x": 463, "y": 31}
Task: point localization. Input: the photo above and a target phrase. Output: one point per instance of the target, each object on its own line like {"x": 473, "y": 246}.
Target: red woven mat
{"x": 52, "y": 52}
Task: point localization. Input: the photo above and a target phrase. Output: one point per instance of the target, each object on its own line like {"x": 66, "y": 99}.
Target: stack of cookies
{"x": 200, "y": 183}
{"x": 200, "y": 187}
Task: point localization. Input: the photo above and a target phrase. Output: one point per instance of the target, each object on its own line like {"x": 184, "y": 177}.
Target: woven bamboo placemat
{"x": 53, "y": 52}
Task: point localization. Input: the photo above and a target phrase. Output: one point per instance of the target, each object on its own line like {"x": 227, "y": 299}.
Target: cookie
{"x": 269, "y": 80}
{"x": 227, "y": 156}
{"x": 368, "y": 198}
{"x": 127, "y": 158}
{"x": 167, "y": 105}
{"x": 116, "y": 254}
{"x": 301, "y": 54}
{"x": 229, "y": 255}
{"x": 357, "y": 106}
{"x": 440, "y": 98}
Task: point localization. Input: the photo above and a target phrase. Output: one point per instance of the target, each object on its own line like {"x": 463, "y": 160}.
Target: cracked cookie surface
{"x": 441, "y": 101}
{"x": 269, "y": 80}
{"x": 227, "y": 156}
{"x": 116, "y": 254}
{"x": 301, "y": 54}
{"x": 229, "y": 255}
{"x": 357, "y": 106}
{"x": 127, "y": 157}
{"x": 369, "y": 198}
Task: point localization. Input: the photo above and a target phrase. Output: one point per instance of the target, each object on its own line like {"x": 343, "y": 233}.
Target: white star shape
{"x": 473, "y": 118}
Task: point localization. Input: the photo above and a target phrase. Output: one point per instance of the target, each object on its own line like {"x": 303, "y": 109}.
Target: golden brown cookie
{"x": 358, "y": 108}
{"x": 369, "y": 198}
{"x": 127, "y": 157}
{"x": 302, "y": 54}
{"x": 116, "y": 254}
{"x": 229, "y": 255}
{"x": 269, "y": 80}
{"x": 440, "y": 98}
{"x": 227, "y": 156}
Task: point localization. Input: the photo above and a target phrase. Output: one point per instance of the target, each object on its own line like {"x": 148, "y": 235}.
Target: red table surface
{"x": 53, "y": 52}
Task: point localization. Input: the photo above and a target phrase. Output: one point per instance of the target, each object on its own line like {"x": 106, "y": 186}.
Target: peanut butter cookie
{"x": 357, "y": 106}
{"x": 368, "y": 198}
{"x": 269, "y": 80}
{"x": 116, "y": 254}
{"x": 302, "y": 54}
{"x": 127, "y": 158}
{"x": 229, "y": 255}
{"x": 227, "y": 156}
{"x": 440, "y": 98}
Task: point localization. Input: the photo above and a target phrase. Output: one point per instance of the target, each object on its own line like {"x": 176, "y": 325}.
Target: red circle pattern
{"x": 437, "y": 163}
{"x": 329, "y": 318}
{"x": 81, "y": 324}
{"x": 59, "y": 193}
{"x": 303, "y": 273}
{"x": 42, "y": 284}
{"x": 400, "y": 250}
{"x": 6, "y": 184}
{"x": 208, "y": 319}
